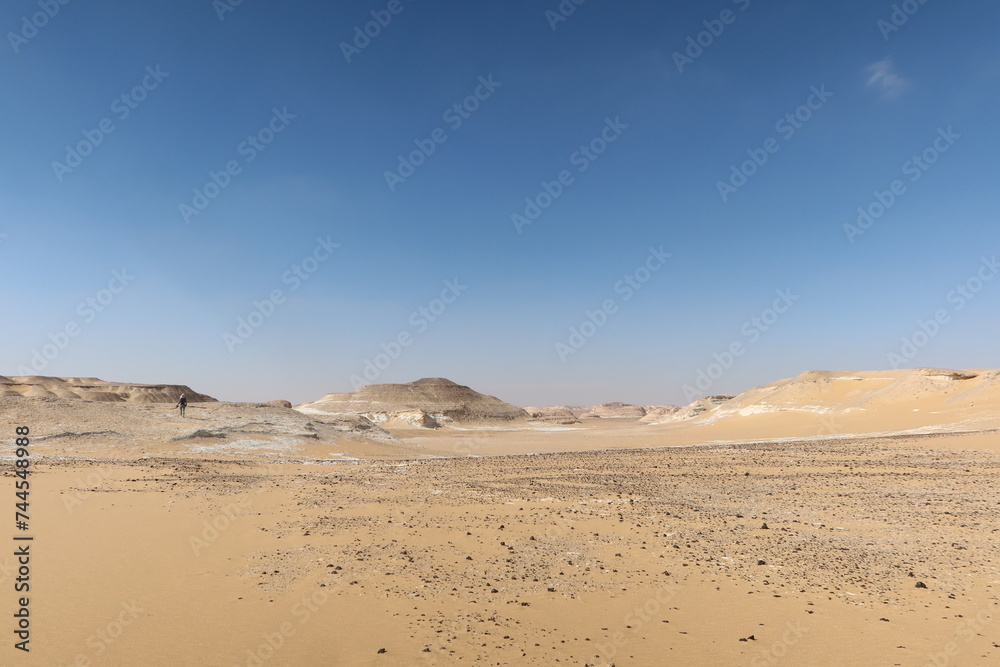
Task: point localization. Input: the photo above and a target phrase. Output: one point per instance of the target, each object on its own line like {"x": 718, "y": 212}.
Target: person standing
{"x": 182, "y": 403}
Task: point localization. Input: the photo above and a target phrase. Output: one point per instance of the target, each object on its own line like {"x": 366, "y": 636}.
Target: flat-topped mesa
{"x": 93, "y": 389}
{"x": 558, "y": 414}
{"x": 616, "y": 411}
{"x": 428, "y": 382}
{"x": 426, "y": 403}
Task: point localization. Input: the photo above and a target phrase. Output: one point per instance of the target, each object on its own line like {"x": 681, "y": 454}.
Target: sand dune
{"x": 822, "y": 403}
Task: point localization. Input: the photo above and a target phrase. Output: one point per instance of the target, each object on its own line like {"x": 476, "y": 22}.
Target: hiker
{"x": 182, "y": 403}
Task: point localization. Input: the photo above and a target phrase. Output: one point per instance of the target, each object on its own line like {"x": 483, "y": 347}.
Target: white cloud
{"x": 882, "y": 77}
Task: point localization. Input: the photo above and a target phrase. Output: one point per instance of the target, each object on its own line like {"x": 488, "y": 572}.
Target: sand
{"x": 255, "y": 535}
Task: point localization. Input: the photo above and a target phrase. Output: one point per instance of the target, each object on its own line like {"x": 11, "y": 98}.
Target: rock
{"x": 93, "y": 389}
{"x": 559, "y": 414}
{"x": 442, "y": 400}
{"x": 417, "y": 418}
{"x": 616, "y": 411}
{"x": 658, "y": 413}
{"x": 280, "y": 403}
{"x": 200, "y": 433}
{"x": 690, "y": 411}
{"x": 355, "y": 425}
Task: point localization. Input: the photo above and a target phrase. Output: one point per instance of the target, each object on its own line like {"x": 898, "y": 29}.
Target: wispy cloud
{"x": 883, "y": 78}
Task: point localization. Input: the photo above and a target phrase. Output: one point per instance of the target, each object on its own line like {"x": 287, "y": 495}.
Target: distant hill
{"x": 616, "y": 411}
{"x": 820, "y": 403}
{"x": 93, "y": 389}
{"x": 427, "y": 403}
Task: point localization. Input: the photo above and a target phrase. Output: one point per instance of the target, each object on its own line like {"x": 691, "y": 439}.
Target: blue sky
{"x": 327, "y": 131}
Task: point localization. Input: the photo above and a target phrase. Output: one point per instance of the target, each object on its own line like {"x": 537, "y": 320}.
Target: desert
{"x": 826, "y": 519}
{"x": 396, "y": 333}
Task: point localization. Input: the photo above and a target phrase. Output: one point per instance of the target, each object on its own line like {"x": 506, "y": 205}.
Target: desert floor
{"x": 438, "y": 550}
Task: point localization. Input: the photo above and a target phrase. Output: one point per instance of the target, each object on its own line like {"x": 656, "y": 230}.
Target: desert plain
{"x": 835, "y": 518}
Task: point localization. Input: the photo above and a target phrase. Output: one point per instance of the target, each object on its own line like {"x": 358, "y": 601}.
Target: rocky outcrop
{"x": 414, "y": 419}
{"x": 281, "y": 404}
{"x": 93, "y": 389}
{"x": 655, "y": 414}
{"x": 559, "y": 414}
{"x": 440, "y": 401}
{"x": 671, "y": 414}
{"x": 616, "y": 411}
{"x": 939, "y": 374}
{"x": 355, "y": 425}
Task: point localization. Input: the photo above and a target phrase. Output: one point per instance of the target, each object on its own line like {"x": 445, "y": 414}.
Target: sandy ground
{"x": 278, "y": 545}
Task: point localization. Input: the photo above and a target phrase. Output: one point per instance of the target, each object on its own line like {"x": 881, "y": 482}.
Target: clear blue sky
{"x": 608, "y": 68}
